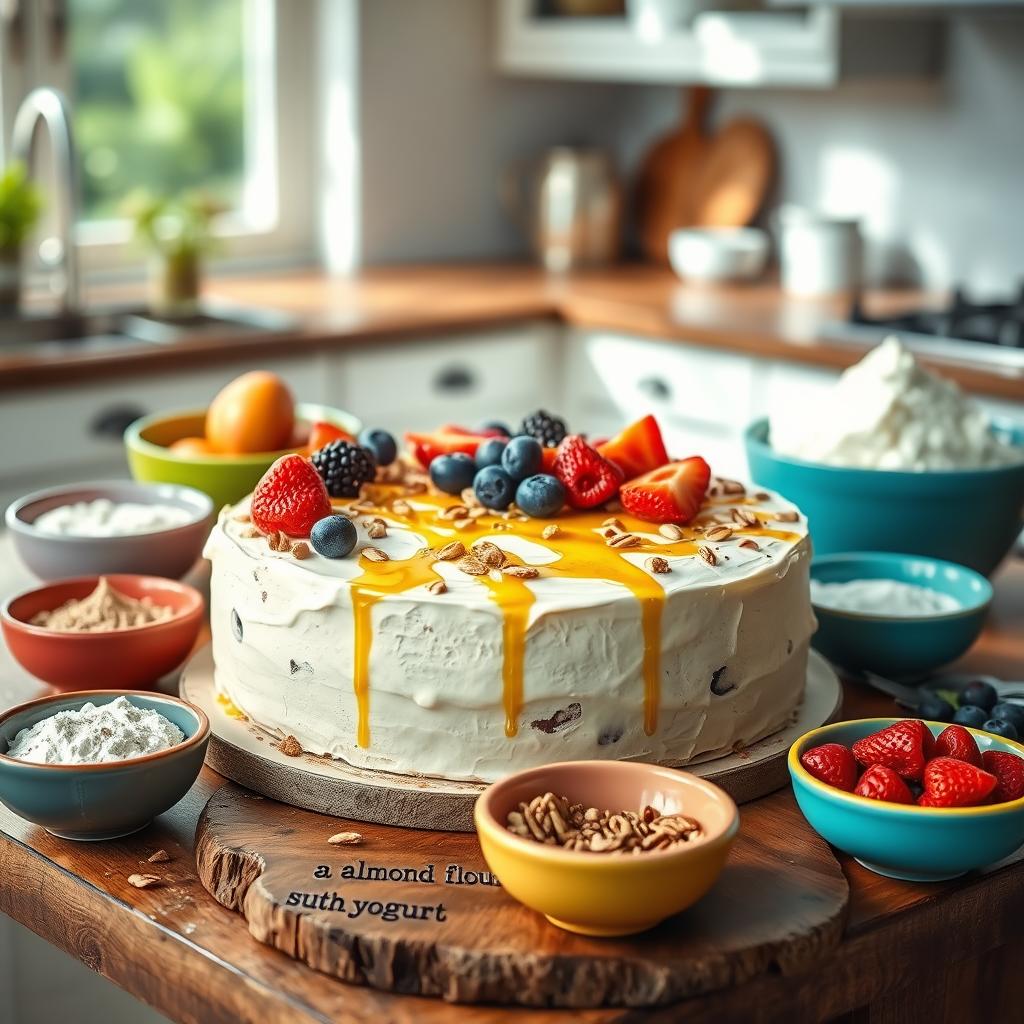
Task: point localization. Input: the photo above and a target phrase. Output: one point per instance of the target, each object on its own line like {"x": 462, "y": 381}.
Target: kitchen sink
{"x": 106, "y": 329}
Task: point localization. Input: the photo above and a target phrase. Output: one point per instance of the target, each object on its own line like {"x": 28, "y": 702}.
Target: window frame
{"x": 277, "y": 223}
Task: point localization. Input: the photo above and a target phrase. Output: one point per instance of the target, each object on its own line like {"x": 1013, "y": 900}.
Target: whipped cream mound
{"x": 94, "y": 734}
{"x": 888, "y": 412}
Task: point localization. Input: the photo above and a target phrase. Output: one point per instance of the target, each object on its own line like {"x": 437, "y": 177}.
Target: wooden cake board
{"x": 249, "y": 755}
{"x": 442, "y": 926}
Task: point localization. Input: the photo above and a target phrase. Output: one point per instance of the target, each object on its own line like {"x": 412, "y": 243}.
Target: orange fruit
{"x": 254, "y": 413}
{"x": 191, "y": 446}
{"x": 322, "y": 433}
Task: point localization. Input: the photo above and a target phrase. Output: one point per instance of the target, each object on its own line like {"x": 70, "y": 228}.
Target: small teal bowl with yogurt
{"x": 888, "y": 630}
{"x": 109, "y": 799}
{"x": 970, "y": 516}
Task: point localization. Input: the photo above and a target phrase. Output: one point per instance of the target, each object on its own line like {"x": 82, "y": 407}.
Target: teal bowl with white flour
{"x": 108, "y": 799}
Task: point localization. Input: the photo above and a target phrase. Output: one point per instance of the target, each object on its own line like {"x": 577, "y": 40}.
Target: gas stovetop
{"x": 968, "y": 332}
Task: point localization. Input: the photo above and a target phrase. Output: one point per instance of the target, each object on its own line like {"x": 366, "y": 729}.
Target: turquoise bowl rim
{"x": 303, "y": 410}
{"x": 197, "y": 738}
{"x": 898, "y": 811}
{"x": 893, "y": 557}
{"x": 757, "y": 433}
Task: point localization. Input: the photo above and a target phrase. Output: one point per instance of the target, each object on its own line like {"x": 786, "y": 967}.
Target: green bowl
{"x": 225, "y": 478}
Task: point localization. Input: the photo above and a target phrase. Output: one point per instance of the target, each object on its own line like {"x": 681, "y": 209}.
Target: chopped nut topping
{"x": 144, "y": 881}
{"x": 469, "y": 498}
{"x": 550, "y": 531}
{"x": 438, "y": 587}
{"x": 616, "y": 524}
{"x": 521, "y": 572}
{"x": 761, "y": 496}
{"x": 415, "y": 487}
{"x": 623, "y": 540}
{"x": 346, "y": 839}
{"x": 731, "y": 486}
{"x": 552, "y": 820}
{"x": 250, "y": 531}
{"x": 377, "y": 529}
{"x": 454, "y": 512}
{"x": 242, "y": 517}
{"x": 744, "y": 517}
{"x": 718, "y": 532}
{"x": 300, "y": 550}
{"x": 658, "y": 564}
{"x": 452, "y": 551}
{"x": 671, "y": 531}
{"x": 786, "y": 517}
{"x": 471, "y": 565}
{"x": 477, "y": 511}
{"x": 707, "y": 554}
{"x": 490, "y": 554}
{"x": 750, "y": 543}
{"x": 290, "y": 746}
{"x": 375, "y": 555}
{"x": 401, "y": 507}
{"x": 463, "y": 524}
{"x": 160, "y": 857}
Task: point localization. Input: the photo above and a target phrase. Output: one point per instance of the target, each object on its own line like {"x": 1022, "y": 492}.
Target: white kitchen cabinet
{"x": 418, "y": 384}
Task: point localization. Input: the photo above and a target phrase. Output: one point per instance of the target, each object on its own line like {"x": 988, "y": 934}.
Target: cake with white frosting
{"x": 566, "y": 646}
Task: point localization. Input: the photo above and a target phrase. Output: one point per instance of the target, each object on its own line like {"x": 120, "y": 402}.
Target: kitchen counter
{"x": 380, "y": 303}
{"x": 910, "y": 952}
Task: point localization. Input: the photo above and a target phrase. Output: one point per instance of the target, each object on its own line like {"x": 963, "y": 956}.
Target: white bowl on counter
{"x": 718, "y": 254}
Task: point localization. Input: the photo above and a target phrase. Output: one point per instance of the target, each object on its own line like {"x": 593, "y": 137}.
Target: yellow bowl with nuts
{"x": 605, "y": 847}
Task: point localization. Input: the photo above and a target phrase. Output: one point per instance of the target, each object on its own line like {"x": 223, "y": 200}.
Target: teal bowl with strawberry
{"x": 907, "y": 841}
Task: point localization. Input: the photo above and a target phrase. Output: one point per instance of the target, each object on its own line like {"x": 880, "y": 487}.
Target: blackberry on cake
{"x": 344, "y": 467}
{"x": 549, "y": 430}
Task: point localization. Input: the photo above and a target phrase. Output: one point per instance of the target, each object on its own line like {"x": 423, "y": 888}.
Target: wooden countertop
{"x": 943, "y": 951}
{"x": 415, "y": 301}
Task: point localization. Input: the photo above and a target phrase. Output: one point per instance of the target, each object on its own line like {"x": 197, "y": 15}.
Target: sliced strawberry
{"x": 952, "y": 783}
{"x": 589, "y": 480}
{"x": 956, "y": 741}
{"x": 903, "y": 746}
{"x": 881, "y": 783}
{"x": 322, "y": 433}
{"x": 291, "y": 497}
{"x": 670, "y": 494}
{"x": 831, "y": 763}
{"x": 445, "y": 441}
{"x": 638, "y": 449}
{"x": 1009, "y": 772}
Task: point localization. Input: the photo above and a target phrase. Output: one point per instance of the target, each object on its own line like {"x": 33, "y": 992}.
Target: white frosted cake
{"x": 600, "y": 654}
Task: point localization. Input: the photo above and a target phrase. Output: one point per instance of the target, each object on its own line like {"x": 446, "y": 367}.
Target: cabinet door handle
{"x": 110, "y": 424}
{"x": 455, "y": 378}
{"x": 655, "y": 387}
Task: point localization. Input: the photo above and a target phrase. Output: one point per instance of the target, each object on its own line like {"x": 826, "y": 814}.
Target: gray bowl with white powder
{"x": 154, "y": 745}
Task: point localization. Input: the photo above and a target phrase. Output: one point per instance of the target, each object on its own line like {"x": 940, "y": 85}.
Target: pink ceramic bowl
{"x": 121, "y": 659}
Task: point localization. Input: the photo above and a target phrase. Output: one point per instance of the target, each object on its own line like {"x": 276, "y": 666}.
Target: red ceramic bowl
{"x": 132, "y": 659}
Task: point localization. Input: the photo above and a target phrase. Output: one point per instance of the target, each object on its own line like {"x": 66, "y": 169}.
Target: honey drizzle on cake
{"x": 584, "y": 554}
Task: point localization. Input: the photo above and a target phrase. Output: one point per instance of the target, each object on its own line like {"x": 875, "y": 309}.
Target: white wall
{"x": 936, "y": 169}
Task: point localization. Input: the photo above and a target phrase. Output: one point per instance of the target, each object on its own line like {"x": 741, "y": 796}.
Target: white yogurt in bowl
{"x": 883, "y": 597}
{"x": 105, "y": 518}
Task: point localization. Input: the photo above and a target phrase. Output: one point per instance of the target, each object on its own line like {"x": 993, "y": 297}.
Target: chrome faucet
{"x": 51, "y": 107}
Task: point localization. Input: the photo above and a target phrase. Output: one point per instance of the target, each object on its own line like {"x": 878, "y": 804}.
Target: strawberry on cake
{"x": 488, "y": 602}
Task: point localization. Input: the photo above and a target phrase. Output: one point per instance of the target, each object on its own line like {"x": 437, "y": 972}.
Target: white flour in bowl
{"x": 108, "y": 732}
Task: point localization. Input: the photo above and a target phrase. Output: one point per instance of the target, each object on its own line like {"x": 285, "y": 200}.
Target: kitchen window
{"x": 177, "y": 96}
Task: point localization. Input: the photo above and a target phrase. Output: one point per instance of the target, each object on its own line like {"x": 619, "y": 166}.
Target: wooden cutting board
{"x": 442, "y": 926}
{"x": 695, "y": 178}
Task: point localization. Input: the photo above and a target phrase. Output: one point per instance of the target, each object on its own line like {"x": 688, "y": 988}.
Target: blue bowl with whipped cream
{"x": 900, "y": 616}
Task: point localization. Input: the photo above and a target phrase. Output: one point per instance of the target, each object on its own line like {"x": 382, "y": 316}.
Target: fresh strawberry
{"x": 322, "y": 433}
{"x": 903, "y": 746}
{"x": 881, "y": 783}
{"x": 637, "y": 450}
{"x": 670, "y": 494}
{"x": 290, "y": 497}
{"x": 589, "y": 479}
{"x": 952, "y": 783}
{"x": 956, "y": 741}
{"x": 832, "y": 763}
{"x": 445, "y": 441}
{"x": 1009, "y": 772}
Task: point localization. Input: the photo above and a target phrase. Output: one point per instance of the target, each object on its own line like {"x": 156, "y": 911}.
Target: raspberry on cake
{"x": 462, "y": 636}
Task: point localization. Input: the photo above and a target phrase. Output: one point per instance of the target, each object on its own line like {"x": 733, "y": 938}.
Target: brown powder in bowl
{"x": 105, "y": 609}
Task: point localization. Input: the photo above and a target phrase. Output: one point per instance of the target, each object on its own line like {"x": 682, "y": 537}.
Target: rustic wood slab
{"x": 780, "y": 903}
{"x": 249, "y": 756}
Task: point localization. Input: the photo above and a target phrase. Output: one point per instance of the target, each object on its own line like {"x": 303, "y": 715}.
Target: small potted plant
{"x": 178, "y": 232}
{"x": 20, "y": 205}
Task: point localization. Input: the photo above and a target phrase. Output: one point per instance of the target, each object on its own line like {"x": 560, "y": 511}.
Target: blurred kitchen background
{"x": 458, "y": 210}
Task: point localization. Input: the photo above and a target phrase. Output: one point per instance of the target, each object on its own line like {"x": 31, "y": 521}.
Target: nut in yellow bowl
{"x": 604, "y": 893}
